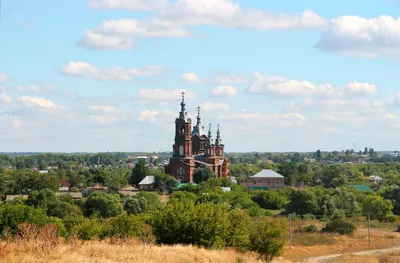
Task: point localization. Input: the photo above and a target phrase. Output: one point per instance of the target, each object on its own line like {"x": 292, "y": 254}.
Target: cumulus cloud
{"x": 4, "y": 77}
{"x": 102, "y": 108}
{"x": 133, "y": 5}
{"x": 362, "y": 37}
{"x": 96, "y": 40}
{"x": 284, "y": 87}
{"x": 229, "y": 80}
{"x": 225, "y": 91}
{"x": 190, "y": 78}
{"x": 36, "y": 102}
{"x": 173, "y": 19}
{"x": 103, "y": 119}
{"x": 36, "y": 89}
{"x": 214, "y": 106}
{"x": 84, "y": 69}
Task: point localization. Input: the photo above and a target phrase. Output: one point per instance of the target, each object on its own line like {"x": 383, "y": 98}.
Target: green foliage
{"x": 139, "y": 172}
{"x": 127, "y": 226}
{"x": 378, "y": 208}
{"x": 202, "y": 175}
{"x": 308, "y": 229}
{"x": 339, "y": 226}
{"x": 152, "y": 200}
{"x": 267, "y": 238}
{"x": 183, "y": 196}
{"x": 89, "y": 229}
{"x": 165, "y": 181}
{"x": 135, "y": 205}
{"x": 269, "y": 199}
{"x": 392, "y": 193}
{"x": 302, "y": 202}
{"x": 103, "y": 205}
{"x": 206, "y": 225}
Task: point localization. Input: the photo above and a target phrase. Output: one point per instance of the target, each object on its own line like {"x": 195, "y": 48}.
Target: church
{"x": 193, "y": 149}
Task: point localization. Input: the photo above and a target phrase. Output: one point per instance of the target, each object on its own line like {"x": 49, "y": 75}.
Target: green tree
{"x": 267, "y": 238}
{"x": 135, "y": 205}
{"x": 318, "y": 155}
{"x": 378, "y": 208}
{"x": 102, "y": 204}
{"x": 139, "y": 172}
{"x": 202, "y": 175}
{"x": 302, "y": 202}
{"x": 269, "y": 199}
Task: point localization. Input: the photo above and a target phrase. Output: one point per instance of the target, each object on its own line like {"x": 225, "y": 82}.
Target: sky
{"x": 106, "y": 75}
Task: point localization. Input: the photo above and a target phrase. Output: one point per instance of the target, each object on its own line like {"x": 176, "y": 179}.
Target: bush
{"x": 135, "y": 205}
{"x": 267, "y": 238}
{"x": 89, "y": 229}
{"x": 270, "y": 200}
{"x": 308, "y": 229}
{"x": 102, "y": 204}
{"x": 126, "y": 226}
{"x": 339, "y": 226}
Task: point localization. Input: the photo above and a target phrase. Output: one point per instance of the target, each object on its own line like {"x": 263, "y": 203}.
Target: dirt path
{"x": 325, "y": 259}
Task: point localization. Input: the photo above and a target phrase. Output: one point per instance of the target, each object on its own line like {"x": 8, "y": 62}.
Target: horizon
{"x": 279, "y": 76}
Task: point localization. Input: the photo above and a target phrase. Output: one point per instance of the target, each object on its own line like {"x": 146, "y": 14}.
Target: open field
{"x": 307, "y": 245}
{"x": 113, "y": 252}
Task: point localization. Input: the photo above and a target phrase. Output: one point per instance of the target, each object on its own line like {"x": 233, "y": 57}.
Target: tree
{"x": 302, "y": 202}
{"x": 102, "y": 204}
{"x": 318, "y": 155}
{"x": 267, "y": 238}
{"x": 139, "y": 172}
{"x": 333, "y": 177}
{"x": 270, "y": 200}
{"x": 378, "y": 208}
{"x": 134, "y": 205}
{"x": 365, "y": 151}
{"x": 202, "y": 175}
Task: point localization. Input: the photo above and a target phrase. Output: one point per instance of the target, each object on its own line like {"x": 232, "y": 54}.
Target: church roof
{"x": 267, "y": 173}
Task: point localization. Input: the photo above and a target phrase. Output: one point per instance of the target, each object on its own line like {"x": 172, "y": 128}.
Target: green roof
{"x": 362, "y": 187}
{"x": 180, "y": 185}
{"x": 258, "y": 187}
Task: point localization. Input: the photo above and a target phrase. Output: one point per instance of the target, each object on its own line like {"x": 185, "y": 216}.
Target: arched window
{"x": 181, "y": 150}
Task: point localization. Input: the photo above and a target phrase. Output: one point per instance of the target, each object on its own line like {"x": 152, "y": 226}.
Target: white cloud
{"x": 83, "y": 69}
{"x": 164, "y": 95}
{"x": 173, "y": 18}
{"x": 229, "y": 80}
{"x": 4, "y": 98}
{"x": 133, "y": 5}
{"x": 120, "y": 34}
{"x": 190, "y": 78}
{"x": 36, "y": 102}
{"x": 148, "y": 116}
{"x": 357, "y": 88}
{"x": 269, "y": 119}
{"x": 214, "y": 106}
{"x": 103, "y": 119}
{"x": 36, "y": 89}
{"x": 225, "y": 91}
{"x": 282, "y": 87}
{"x": 105, "y": 109}
{"x": 98, "y": 40}
{"x": 4, "y": 77}
{"x": 362, "y": 37}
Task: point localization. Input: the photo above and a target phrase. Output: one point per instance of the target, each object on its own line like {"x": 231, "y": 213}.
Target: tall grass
{"x": 33, "y": 245}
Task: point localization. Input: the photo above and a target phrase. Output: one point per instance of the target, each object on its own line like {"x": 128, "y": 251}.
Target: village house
{"x": 266, "y": 179}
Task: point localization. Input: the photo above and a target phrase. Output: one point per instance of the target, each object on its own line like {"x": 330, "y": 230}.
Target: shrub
{"x": 135, "y": 205}
{"x": 270, "y": 200}
{"x": 126, "y": 226}
{"x": 102, "y": 204}
{"x": 339, "y": 226}
{"x": 308, "y": 229}
{"x": 267, "y": 238}
{"x": 89, "y": 229}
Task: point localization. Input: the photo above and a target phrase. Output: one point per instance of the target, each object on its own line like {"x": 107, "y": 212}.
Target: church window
{"x": 181, "y": 150}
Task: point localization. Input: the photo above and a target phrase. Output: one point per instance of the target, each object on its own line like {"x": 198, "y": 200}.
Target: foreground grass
{"x": 112, "y": 251}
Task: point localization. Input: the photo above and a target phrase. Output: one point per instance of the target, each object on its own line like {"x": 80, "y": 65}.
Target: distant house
{"x": 98, "y": 187}
{"x": 63, "y": 189}
{"x": 147, "y": 183}
{"x": 43, "y": 171}
{"x": 266, "y": 179}
{"x": 128, "y": 190}
{"x": 226, "y": 189}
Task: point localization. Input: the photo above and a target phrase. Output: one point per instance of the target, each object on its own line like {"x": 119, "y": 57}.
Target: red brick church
{"x": 194, "y": 149}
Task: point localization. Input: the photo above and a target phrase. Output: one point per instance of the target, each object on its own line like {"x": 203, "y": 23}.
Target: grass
{"x": 34, "y": 245}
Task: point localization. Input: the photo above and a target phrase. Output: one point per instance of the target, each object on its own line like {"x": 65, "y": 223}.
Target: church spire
{"x": 209, "y": 134}
{"x": 218, "y": 139}
{"x": 198, "y": 118}
{"x": 182, "y": 112}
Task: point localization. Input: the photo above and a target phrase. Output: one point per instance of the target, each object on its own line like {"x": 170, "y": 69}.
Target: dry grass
{"x": 307, "y": 245}
{"x": 123, "y": 251}
{"x": 389, "y": 258}
{"x": 32, "y": 245}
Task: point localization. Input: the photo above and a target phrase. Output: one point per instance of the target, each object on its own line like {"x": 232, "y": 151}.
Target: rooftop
{"x": 150, "y": 179}
{"x": 267, "y": 173}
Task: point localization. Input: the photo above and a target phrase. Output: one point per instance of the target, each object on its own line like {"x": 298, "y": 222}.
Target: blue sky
{"x": 104, "y": 75}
